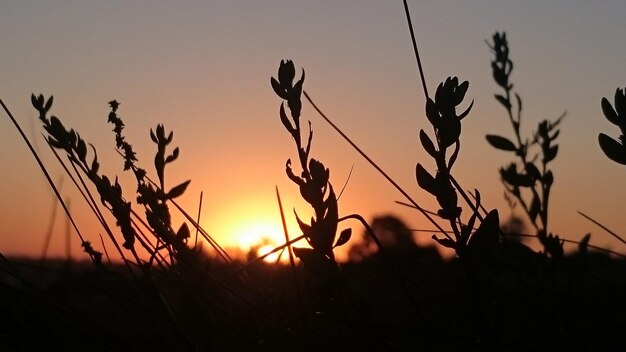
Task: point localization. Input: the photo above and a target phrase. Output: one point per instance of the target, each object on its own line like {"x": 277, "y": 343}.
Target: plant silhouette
{"x": 528, "y": 180}
{"x": 616, "y": 114}
{"x": 314, "y": 186}
{"x": 165, "y": 293}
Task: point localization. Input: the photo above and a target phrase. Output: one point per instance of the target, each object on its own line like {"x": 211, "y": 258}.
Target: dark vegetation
{"x": 496, "y": 294}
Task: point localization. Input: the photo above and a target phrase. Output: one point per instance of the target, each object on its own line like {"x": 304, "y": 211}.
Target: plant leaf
{"x": 48, "y": 104}
{"x": 305, "y": 254}
{"x": 153, "y": 136}
{"x": 487, "y": 233}
{"x": 305, "y": 228}
{"x": 173, "y": 156}
{"x": 503, "y": 101}
{"x": 551, "y": 154}
{"x": 344, "y": 237}
{"x": 94, "y": 166}
{"x": 477, "y": 198}
{"x": 584, "y": 243}
{"x": 609, "y": 112}
{"x": 548, "y": 178}
{"x": 183, "y": 232}
{"x": 533, "y": 171}
{"x": 81, "y": 150}
{"x": 278, "y": 89}
{"x": 178, "y": 190}
{"x": 612, "y": 149}
{"x": 425, "y": 180}
{"x": 33, "y": 100}
{"x": 467, "y": 111}
{"x": 432, "y": 113}
{"x": 535, "y": 208}
{"x": 460, "y": 92}
{"x": 428, "y": 144}
{"x": 500, "y": 142}
{"x": 285, "y": 120}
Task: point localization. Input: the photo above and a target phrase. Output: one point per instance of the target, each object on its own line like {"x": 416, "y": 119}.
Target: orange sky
{"x": 203, "y": 70}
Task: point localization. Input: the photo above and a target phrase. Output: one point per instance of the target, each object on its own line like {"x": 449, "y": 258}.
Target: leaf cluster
{"x": 616, "y": 114}
{"x": 527, "y": 179}
{"x": 313, "y": 180}
{"x": 446, "y": 122}
{"x": 150, "y": 195}
{"x": 154, "y": 197}
{"x": 76, "y": 148}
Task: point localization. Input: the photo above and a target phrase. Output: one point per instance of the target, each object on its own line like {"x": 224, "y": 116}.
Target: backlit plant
{"x": 616, "y": 114}
{"x": 528, "y": 180}
{"x": 313, "y": 181}
{"x": 446, "y": 122}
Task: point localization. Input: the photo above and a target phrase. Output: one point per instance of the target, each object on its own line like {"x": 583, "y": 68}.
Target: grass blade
{"x": 378, "y": 168}
{"x": 603, "y": 227}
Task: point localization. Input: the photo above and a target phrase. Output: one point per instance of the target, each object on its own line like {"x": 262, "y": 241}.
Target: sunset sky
{"x": 202, "y": 68}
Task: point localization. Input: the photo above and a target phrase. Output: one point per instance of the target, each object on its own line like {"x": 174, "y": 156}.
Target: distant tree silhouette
{"x": 514, "y": 228}
{"x": 393, "y": 233}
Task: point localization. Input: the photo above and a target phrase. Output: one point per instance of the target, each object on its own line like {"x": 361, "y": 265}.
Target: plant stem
{"x": 417, "y": 55}
{"x": 602, "y": 227}
{"x": 44, "y": 170}
{"x": 371, "y": 162}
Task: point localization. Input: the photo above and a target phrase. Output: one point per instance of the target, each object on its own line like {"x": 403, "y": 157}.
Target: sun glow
{"x": 272, "y": 258}
{"x": 261, "y": 237}
{"x": 252, "y": 226}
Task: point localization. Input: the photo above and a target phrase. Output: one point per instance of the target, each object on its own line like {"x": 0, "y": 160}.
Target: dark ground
{"x": 412, "y": 300}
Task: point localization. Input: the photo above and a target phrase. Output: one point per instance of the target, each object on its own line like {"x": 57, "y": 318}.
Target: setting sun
{"x": 261, "y": 236}
{"x": 259, "y": 233}
{"x": 256, "y": 229}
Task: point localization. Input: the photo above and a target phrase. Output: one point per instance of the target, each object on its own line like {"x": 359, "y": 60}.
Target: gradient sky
{"x": 202, "y": 68}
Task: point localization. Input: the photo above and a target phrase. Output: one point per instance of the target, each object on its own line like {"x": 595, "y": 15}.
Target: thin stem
{"x": 84, "y": 191}
{"x": 44, "y": 170}
{"x": 284, "y": 223}
{"x": 198, "y": 221}
{"x": 49, "y": 232}
{"x": 383, "y": 173}
{"x": 104, "y": 248}
{"x": 417, "y": 54}
{"x": 261, "y": 257}
{"x": 602, "y": 227}
{"x": 601, "y": 249}
{"x": 222, "y": 253}
{"x": 292, "y": 261}
{"x": 465, "y": 197}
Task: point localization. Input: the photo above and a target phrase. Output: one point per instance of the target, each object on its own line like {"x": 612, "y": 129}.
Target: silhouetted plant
{"x": 443, "y": 117}
{"x": 615, "y": 150}
{"x": 187, "y": 304}
{"x": 76, "y": 148}
{"x": 152, "y": 196}
{"x": 527, "y": 181}
{"x": 313, "y": 181}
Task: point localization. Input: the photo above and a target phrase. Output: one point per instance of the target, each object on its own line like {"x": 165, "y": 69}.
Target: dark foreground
{"x": 408, "y": 300}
